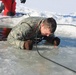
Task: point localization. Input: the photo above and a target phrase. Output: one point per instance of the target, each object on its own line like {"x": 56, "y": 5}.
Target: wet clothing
{"x": 10, "y": 6}
{"x": 29, "y": 28}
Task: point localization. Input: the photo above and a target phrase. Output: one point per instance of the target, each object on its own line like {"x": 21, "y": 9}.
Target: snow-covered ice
{"x": 21, "y": 62}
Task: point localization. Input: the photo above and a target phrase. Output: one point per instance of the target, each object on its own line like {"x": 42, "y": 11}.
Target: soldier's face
{"x": 45, "y": 31}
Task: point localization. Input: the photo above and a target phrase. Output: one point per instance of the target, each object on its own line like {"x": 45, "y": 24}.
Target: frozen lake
{"x": 22, "y": 62}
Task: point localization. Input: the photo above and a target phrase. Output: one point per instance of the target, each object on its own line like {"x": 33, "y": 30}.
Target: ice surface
{"x": 22, "y": 62}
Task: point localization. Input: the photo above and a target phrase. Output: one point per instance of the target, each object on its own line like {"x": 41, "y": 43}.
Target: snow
{"x": 20, "y": 62}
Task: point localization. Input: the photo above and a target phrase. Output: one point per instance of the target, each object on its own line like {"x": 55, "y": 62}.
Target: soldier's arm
{"x": 49, "y": 39}
{"x": 17, "y": 35}
{"x": 52, "y": 40}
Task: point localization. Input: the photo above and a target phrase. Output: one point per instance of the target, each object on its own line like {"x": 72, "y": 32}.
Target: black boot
{"x": 10, "y": 14}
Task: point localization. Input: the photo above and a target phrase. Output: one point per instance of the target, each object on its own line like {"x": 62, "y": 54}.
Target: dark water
{"x": 1, "y": 31}
{"x": 2, "y": 35}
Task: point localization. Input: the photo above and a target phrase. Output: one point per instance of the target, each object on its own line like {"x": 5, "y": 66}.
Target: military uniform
{"x": 26, "y": 29}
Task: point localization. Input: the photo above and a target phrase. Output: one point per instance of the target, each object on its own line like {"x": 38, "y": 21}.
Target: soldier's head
{"x": 48, "y": 26}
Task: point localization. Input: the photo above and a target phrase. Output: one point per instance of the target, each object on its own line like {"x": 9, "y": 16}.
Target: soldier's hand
{"x": 56, "y": 41}
{"x": 28, "y": 45}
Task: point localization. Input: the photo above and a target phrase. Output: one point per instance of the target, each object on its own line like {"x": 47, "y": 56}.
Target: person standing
{"x": 9, "y": 7}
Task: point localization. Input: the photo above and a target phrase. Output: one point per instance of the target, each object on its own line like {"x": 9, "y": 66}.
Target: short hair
{"x": 51, "y": 23}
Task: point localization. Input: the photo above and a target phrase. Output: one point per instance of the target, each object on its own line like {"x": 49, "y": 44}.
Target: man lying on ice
{"x": 25, "y": 34}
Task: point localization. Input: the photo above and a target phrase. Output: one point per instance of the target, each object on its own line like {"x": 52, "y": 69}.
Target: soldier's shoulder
{"x": 34, "y": 18}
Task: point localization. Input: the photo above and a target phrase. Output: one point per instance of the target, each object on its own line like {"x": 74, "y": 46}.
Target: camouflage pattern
{"x": 24, "y": 30}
